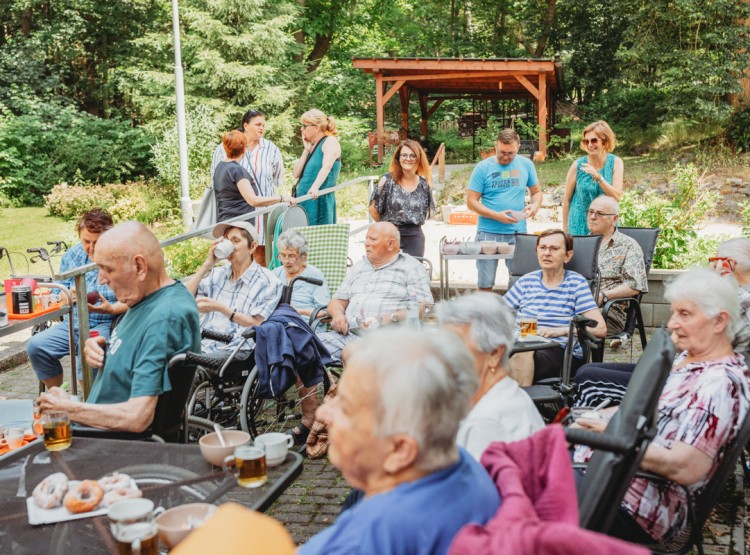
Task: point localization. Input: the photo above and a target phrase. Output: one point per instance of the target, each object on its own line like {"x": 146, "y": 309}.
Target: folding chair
{"x": 620, "y": 448}
{"x": 646, "y": 239}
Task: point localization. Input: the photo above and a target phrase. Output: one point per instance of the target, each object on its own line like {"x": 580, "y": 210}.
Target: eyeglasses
{"x": 289, "y": 257}
{"x": 408, "y": 156}
{"x": 724, "y": 262}
{"x": 592, "y": 140}
{"x": 550, "y": 248}
{"x": 598, "y": 214}
{"x": 506, "y": 154}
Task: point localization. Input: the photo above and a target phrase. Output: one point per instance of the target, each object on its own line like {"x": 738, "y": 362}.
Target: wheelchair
{"x": 225, "y": 389}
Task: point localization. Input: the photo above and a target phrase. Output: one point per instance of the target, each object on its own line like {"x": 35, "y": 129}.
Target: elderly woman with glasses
{"x": 293, "y": 257}
{"x": 404, "y": 196}
{"x": 319, "y": 166}
{"x": 701, "y": 407}
{"x": 598, "y": 173}
{"x": 501, "y": 410}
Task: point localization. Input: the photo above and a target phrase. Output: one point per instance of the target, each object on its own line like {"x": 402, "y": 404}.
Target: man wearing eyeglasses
{"x": 497, "y": 193}
{"x": 621, "y": 265}
{"x": 733, "y": 259}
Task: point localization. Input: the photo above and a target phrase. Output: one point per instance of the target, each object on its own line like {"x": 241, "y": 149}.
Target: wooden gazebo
{"x": 435, "y": 80}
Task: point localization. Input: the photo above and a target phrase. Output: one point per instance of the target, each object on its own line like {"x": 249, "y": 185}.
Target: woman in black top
{"x": 236, "y": 191}
{"x": 404, "y": 196}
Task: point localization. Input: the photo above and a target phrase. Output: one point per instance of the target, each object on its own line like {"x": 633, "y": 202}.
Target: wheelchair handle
{"x": 597, "y": 440}
{"x": 43, "y": 254}
{"x": 581, "y": 320}
{"x": 310, "y": 280}
{"x": 217, "y": 335}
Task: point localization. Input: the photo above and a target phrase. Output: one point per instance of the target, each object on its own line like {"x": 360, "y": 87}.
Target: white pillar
{"x": 185, "y": 205}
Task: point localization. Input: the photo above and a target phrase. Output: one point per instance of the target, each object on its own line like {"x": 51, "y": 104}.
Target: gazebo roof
{"x": 499, "y": 77}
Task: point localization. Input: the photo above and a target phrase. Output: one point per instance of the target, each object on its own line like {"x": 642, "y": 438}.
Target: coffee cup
{"x": 249, "y": 464}
{"x": 133, "y": 525}
{"x": 223, "y": 249}
{"x": 275, "y": 444}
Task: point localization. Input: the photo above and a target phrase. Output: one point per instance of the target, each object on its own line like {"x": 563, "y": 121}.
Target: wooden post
{"x": 423, "y": 113}
{"x": 441, "y": 164}
{"x": 542, "y": 114}
{"x": 403, "y": 95}
{"x": 380, "y": 114}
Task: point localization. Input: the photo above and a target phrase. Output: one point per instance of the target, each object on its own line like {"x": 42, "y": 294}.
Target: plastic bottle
{"x": 412, "y": 312}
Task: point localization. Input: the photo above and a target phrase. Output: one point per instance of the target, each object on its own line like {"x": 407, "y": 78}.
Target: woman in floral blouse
{"x": 404, "y": 196}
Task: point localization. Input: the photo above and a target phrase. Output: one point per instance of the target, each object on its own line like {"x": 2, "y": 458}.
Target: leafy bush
{"x": 746, "y": 219}
{"x": 48, "y": 142}
{"x": 676, "y": 215}
{"x": 738, "y": 129}
{"x": 140, "y": 200}
{"x": 353, "y": 138}
{"x": 458, "y": 149}
{"x": 183, "y": 259}
{"x": 629, "y": 108}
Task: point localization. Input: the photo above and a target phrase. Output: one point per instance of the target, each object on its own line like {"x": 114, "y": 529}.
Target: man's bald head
{"x": 382, "y": 243}
{"x": 130, "y": 261}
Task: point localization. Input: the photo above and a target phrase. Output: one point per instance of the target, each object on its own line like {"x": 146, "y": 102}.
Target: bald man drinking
{"x": 161, "y": 321}
{"x": 377, "y": 290}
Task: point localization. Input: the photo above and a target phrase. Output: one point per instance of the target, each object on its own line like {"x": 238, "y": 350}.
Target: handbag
{"x": 208, "y": 211}
{"x": 294, "y": 188}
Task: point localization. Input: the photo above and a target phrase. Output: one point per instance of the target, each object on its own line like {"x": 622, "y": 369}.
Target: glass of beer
{"x": 249, "y": 466}
{"x": 133, "y": 525}
{"x": 57, "y": 432}
{"x": 528, "y": 326}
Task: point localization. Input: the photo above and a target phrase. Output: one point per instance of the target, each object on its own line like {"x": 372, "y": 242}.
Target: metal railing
{"x": 79, "y": 274}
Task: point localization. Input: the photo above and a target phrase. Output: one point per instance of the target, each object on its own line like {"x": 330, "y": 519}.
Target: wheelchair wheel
{"x": 209, "y": 403}
{"x": 280, "y": 414}
{"x": 197, "y": 428}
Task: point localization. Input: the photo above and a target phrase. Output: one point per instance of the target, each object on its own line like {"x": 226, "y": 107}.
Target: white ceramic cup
{"x": 275, "y": 445}
{"x": 223, "y": 248}
{"x": 133, "y": 525}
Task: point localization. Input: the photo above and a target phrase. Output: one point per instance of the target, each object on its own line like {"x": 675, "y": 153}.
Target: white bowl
{"x": 489, "y": 247}
{"x": 470, "y": 247}
{"x": 505, "y": 248}
{"x": 176, "y": 523}
{"x": 211, "y": 447}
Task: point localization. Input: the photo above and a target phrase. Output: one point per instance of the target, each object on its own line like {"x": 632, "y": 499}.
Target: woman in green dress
{"x": 319, "y": 166}
{"x": 598, "y": 173}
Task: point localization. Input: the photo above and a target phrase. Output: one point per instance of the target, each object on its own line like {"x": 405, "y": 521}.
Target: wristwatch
{"x": 604, "y": 298}
{"x": 394, "y": 317}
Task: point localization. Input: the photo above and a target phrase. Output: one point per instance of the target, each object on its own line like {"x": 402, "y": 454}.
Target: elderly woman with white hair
{"x": 292, "y": 248}
{"x": 703, "y": 404}
{"x": 501, "y": 410}
{"x": 392, "y": 430}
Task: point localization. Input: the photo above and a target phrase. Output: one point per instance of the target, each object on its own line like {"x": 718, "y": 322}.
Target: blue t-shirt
{"x": 418, "y": 518}
{"x": 530, "y": 298}
{"x": 503, "y": 188}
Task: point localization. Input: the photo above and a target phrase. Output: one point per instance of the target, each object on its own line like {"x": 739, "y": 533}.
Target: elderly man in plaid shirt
{"x": 239, "y": 295}
{"x": 377, "y": 290}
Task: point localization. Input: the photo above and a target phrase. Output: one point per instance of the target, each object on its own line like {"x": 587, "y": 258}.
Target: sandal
{"x": 300, "y": 433}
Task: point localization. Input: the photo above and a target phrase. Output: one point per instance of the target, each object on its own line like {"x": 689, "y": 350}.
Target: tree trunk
{"x": 549, "y": 17}
{"x": 299, "y": 36}
{"x": 320, "y": 49}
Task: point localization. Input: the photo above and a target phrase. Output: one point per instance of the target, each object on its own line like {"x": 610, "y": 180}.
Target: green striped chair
{"x": 327, "y": 250}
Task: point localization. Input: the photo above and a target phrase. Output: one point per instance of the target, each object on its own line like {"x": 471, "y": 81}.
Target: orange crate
{"x": 463, "y": 218}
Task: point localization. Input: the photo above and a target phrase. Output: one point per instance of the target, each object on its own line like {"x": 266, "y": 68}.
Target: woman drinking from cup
{"x": 319, "y": 166}
{"x": 598, "y": 173}
{"x": 404, "y": 196}
{"x": 293, "y": 256}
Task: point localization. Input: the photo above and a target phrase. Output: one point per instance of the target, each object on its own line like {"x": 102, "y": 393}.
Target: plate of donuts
{"x": 57, "y": 498}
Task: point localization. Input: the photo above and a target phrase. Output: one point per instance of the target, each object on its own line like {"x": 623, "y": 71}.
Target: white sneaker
{"x": 620, "y": 342}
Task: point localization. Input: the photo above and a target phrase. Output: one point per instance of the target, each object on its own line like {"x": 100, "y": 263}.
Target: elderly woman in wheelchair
{"x": 703, "y": 404}
{"x": 306, "y": 296}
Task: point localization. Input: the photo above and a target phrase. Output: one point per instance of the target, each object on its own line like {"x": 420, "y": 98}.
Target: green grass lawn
{"x": 31, "y": 227}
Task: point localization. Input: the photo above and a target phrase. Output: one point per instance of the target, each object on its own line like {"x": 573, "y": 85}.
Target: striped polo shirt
{"x": 530, "y": 298}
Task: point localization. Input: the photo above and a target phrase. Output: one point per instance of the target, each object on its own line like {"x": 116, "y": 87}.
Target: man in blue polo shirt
{"x": 497, "y": 193}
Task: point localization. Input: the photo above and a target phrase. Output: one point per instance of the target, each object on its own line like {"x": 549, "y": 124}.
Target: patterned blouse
{"x": 702, "y": 407}
{"x": 401, "y": 207}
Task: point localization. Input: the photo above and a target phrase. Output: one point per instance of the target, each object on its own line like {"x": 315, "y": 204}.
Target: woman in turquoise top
{"x": 598, "y": 173}
{"x": 319, "y": 166}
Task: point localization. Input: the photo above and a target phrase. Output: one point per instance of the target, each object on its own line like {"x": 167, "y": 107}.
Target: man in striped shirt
{"x": 552, "y": 295}
{"x": 262, "y": 161}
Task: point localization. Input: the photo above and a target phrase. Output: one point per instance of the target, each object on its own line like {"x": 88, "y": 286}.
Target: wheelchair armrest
{"x": 598, "y": 440}
{"x": 79, "y": 430}
{"x": 196, "y": 359}
{"x": 217, "y": 335}
{"x": 318, "y": 313}
{"x": 608, "y": 305}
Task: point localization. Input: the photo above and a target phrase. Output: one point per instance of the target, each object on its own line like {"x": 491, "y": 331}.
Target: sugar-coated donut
{"x": 50, "y": 491}
{"x": 118, "y": 494}
{"x": 83, "y": 497}
{"x": 115, "y": 481}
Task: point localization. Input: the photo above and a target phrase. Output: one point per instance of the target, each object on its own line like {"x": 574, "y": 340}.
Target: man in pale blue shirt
{"x": 497, "y": 193}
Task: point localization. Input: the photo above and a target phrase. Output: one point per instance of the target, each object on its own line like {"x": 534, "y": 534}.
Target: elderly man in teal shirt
{"x": 161, "y": 321}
